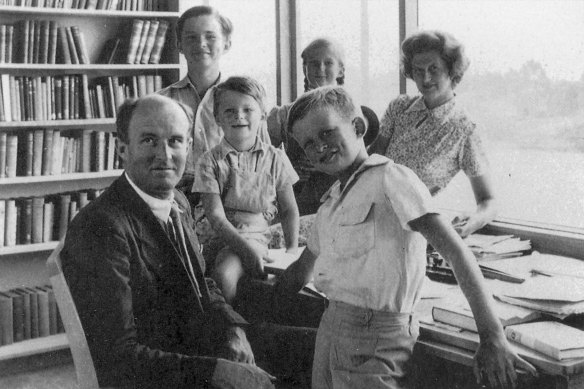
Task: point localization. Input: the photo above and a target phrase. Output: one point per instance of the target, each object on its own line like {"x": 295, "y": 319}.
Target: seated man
{"x": 133, "y": 264}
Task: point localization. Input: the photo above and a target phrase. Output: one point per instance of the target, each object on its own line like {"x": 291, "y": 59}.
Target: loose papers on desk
{"x": 278, "y": 260}
{"x": 559, "y": 293}
{"x": 492, "y": 247}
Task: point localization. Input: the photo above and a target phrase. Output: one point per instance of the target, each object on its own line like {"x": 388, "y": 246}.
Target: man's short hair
{"x": 202, "y": 10}
{"x": 241, "y": 84}
{"x": 334, "y": 98}
{"x": 127, "y": 109}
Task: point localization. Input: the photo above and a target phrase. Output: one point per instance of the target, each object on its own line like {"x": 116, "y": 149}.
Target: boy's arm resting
{"x": 298, "y": 274}
{"x": 250, "y": 257}
{"x": 96, "y": 262}
{"x": 486, "y": 207}
{"x": 290, "y": 217}
{"x": 494, "y": 359}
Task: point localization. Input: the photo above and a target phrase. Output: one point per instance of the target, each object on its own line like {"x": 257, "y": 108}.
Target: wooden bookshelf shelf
{"x": 28, "y": 248}
{"x": 21, "y": 69}
{"x": 34, "y": 346}
{"x": 32, "y": 186}
{"x": 43, "y": 11}
{"x": 61, "y": 124}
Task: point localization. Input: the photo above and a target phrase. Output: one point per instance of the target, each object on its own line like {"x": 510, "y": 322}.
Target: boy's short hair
{"x": 202, "y": 10}
{"x": 241, "y": 84}
{"x": 334, "y": 98}
{"x": 126, "y": 113}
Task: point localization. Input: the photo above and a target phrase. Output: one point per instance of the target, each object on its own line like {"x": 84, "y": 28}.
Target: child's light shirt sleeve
{"x": 407, "y": 194}
{"x": 206, "y": 175}
{"x": 285, "y": 173}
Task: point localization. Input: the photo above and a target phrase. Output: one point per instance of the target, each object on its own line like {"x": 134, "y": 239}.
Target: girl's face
{"x": 431, "y": 75}
{"x": 322, "y": 67}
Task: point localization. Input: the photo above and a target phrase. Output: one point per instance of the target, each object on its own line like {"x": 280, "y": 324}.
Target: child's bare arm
{"x": 289, "y": 216}
{"x": 298, "y": 274}
{"x": 494, "y": 359}
{"x": 250, "y": 257}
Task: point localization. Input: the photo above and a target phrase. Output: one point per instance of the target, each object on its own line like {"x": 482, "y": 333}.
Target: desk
{"x": 439, "y": 365}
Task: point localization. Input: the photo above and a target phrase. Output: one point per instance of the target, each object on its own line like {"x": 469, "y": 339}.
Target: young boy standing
{"x": 367, "y": 254}
{"x": 243, "y": 183}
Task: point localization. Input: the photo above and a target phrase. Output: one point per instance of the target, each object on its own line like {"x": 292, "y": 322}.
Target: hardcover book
{"x": 551, "y": 338}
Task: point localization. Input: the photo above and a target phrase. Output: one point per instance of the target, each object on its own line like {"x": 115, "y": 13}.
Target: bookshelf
{"x": 24, "y": 264}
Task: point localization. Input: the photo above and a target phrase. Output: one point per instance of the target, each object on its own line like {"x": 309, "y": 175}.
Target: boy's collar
{"x": 226, "y": 148}
{"x": 371, "y": 161}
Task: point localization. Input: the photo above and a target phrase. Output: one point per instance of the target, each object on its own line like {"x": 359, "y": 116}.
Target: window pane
{"x": 525, "y": 88}
{"x": 368, "y": 31}
{"x": 253, "y": 48}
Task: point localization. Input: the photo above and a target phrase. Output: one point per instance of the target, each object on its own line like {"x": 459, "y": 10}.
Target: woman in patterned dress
{"x": 429, "y": 133}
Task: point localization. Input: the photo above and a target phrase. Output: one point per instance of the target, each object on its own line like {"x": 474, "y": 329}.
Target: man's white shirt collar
{"x": 160, "y": 208}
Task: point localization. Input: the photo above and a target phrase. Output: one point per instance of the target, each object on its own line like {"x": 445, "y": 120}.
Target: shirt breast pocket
{"x": 356, "y": 234}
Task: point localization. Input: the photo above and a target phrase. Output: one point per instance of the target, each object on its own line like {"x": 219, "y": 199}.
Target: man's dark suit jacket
{"x": 142, "y": 319}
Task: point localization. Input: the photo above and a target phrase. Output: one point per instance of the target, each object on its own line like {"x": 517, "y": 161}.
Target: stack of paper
{"x": 491, "y": 247}
{"x": 278, "y": 260}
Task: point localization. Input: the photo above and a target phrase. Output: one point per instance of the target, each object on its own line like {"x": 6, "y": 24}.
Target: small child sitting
{"x": 243, "y": 183}
{"x": 367, "y": 252}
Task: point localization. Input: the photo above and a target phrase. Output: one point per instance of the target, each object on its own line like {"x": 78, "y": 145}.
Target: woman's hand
{"x": 465, "y": 225}
{"x": 253, "y": 259}
{"x": 237, "y": 347}
{"x": 495, "y": 363}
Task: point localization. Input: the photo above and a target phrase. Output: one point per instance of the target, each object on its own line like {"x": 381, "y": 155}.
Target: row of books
{"x": 147, "y": 39}
{"x": 40, "y": 219}
{"x": 43, "y": 42}
{"x": 69, "y": 97}
{"x": 45, "y": 152}
{"x": 124, "y": 5}
{"x": 523, "y": 326}
{"x": 28, "y": 313}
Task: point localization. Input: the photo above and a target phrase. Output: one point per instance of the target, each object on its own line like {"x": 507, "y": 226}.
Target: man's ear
{"x": 122, "y": 149}
{"x": 360, "y": 126}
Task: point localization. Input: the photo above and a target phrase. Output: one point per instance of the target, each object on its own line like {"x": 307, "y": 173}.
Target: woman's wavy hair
{"x": 319, "y": 44}
{"x": 450, "y": 50}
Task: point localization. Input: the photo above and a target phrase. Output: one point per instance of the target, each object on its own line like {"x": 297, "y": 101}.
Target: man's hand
{"x": 253, "y": 260}
{"x": 237, "y": 348}
{"x": 233, "y": 375}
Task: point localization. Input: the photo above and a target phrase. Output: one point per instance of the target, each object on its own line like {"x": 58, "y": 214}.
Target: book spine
{"x": 47, "y": 152}
{"x": 5, "y": 85}
{"x": 17, "y": 316}
{"x": 85, "y": 93}
{"x": 34, "y": 313}
{"x": 29, "y": 153}
{"x": 65, "y": 199}
{"x": 10, "y": 227}
{"x": 26, "y": 222}
{"x": 11, "y": 155}
{"x": 71, "y": 44}
{"x": 86, "y": 151}
{"x": 3, "y": 151}
{"x": 65, "y": 101}
{"x": 3, "y": 43}
{"x": 37, "y": 157}
{"x": 150, "y": 39}
{"x": 53, "y": 35}
{"x": 531, "y": 342}
{"x": 65, "y": 54}
{"x": 37, "y": 219}
{"x": 43, "y": 312}
{"x": 2, "y": 229}
{"x": 48, "y": 221}
{"x": 14, "y": 100}
{"x": 135, "y": 35}
{"x": 6, "y": 319}
{"x": 158, "y": 42}
{"x": 56, "y": 153}
{"x": 36, "y": 43}
{"x": 27, "y": 312}
{"x": 9, "y": 43}
{"x": 80, "y": 45}
{"x": 44, "y": 42}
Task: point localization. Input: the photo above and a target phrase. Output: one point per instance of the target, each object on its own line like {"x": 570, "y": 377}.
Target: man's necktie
{"x": 176, "y": 233}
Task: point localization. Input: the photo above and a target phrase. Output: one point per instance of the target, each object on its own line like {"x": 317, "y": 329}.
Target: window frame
{"x": 544, "y": 238}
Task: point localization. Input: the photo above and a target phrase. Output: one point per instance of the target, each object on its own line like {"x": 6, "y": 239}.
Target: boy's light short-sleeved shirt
{"x": 213, "y": 168}
{"x": 367, "y": 254}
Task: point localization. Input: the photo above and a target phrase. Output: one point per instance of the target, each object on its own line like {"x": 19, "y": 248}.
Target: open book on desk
{"x": 279, "y": 260}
